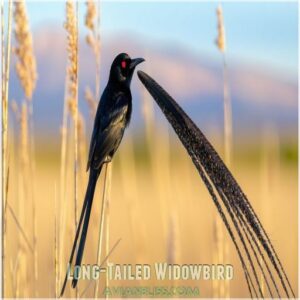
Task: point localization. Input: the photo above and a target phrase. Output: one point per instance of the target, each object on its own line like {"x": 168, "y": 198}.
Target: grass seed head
{"x": 26, "y": 63}
{"x": 90, "y": 15}
{"x": 71, "y": 28}
{"x": 90, "y": 23}
{"x": 221, "y": 41}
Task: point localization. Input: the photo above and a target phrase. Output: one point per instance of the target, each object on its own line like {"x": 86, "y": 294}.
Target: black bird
{"x": 112, "y": 117}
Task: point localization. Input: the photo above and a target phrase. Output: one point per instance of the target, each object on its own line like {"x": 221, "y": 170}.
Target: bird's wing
{"x": 108, "y": 131}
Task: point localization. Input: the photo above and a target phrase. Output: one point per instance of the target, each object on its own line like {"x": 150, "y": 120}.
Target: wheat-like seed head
{"x": 90, "y": 15}
{"x": 90, "y": 19}
{"x": 221, "y": 41}
{"x": 26, "y": 64}
{"x": 72, "y": 106}
{"x": 71, "y": 27}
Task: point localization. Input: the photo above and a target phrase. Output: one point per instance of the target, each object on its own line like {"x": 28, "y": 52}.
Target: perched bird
{"x": 112, "y": 117}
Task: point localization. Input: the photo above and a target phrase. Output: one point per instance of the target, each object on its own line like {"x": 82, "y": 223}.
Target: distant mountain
{"x": 196, "y": 82}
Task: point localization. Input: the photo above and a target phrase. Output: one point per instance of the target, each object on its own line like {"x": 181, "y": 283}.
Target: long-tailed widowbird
{"x": 112, "y": 117}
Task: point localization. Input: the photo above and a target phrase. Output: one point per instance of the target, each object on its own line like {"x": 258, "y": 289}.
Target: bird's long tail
{"x": 85, "y": 214}
{"x": 89, "y": 196}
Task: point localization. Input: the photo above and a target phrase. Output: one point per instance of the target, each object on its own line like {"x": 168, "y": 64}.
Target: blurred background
{"x": 158, "y": 205}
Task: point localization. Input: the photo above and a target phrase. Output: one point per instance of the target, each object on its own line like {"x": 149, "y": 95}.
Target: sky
{"x": 260, "y": 33}
{"x": 179, "y": 39}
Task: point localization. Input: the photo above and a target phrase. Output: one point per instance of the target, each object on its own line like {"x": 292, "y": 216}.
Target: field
{"x": 156, "y": 207}
{"x": 154, "y": 199}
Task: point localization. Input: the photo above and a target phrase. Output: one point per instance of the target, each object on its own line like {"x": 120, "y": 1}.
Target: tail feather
{"x": 89, "y": 196}
{"x": 88, "y": 199}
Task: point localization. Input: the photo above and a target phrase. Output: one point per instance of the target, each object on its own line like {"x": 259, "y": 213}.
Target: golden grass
{"x": 92, "y": 22}
{"x": 223, "y": 288}
{"x": 107, "y": 223}
{"x": 26, "y": 65}
{"x": 63, "y": 204}
{"x": 161, "y": 214}
{"x": 132, "y": 214}
{"x": 221, "y": 41}
{"x": 5, "y": 94}
{"x": 93, "y": 40}
{"x": 56, "y": 246}
{"x": 26, "y": 72}
{"x": 71, "y": 26}
{"x": 103, "y": 219}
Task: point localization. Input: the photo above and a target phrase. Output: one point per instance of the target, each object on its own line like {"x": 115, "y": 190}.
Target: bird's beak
{"x": 135, "y": 62}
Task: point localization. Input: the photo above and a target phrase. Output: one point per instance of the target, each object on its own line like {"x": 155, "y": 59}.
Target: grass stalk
{"x": 98, "y": 57}
{"x": 24, "y": 177}
{"x": 223, "y": 247}
{"x": 76, "y": 136}
{"x": 71, "y": 26}
{"x": 107, "y": 225}
{"x": 56, "y": 262}
{"x": 82, "y": 148}
{"x": 105, "y": 196}
{"x": 130, "y": 194}
{"x": 26, "y": 71}
{"x": 92, "y": 22}
{"x": 63, "y": 203}
{"x": 227, "y": 115}
{"x": 5, "y": 135}
{"x": 32, "y": 166}
{"x": 173, "y": 249}
{"x": 20, "y": 228}
{"x": 2, "y": 50}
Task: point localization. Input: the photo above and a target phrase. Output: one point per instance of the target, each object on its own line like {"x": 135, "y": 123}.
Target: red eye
{"x": 123, "y": 64}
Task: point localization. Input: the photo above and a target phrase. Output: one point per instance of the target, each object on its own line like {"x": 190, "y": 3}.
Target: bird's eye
{"x": 123, "y": 64}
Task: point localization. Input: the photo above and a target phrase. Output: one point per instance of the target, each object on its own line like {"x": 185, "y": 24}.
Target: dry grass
{"x": 5, "y": 94}
{"x": 223, "y": 288}
{"x": 132, "y": 215}
{"x": 56, "y": 246}
{"x": 161, "y": 186}
{"x": 26, "y": 65}
{"x": 221, "y": 41}
{"x": 26, "y": 72}
{"x": 103, "y": 220}
{"x": 71, "y": 99}
{"x": 72, "y": 83}
{"x": 107, "y": 223}
{"x": 92, "y": 22}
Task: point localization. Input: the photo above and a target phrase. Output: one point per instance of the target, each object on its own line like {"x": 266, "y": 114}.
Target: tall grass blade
{"x": 105, "y": 197}
{"x": 5, "y": 89}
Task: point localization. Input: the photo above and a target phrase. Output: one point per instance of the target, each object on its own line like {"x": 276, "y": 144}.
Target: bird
{"x": 112, "y": 117}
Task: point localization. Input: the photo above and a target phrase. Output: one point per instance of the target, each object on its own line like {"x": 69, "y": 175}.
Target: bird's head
{"x": 122, "y": 69}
